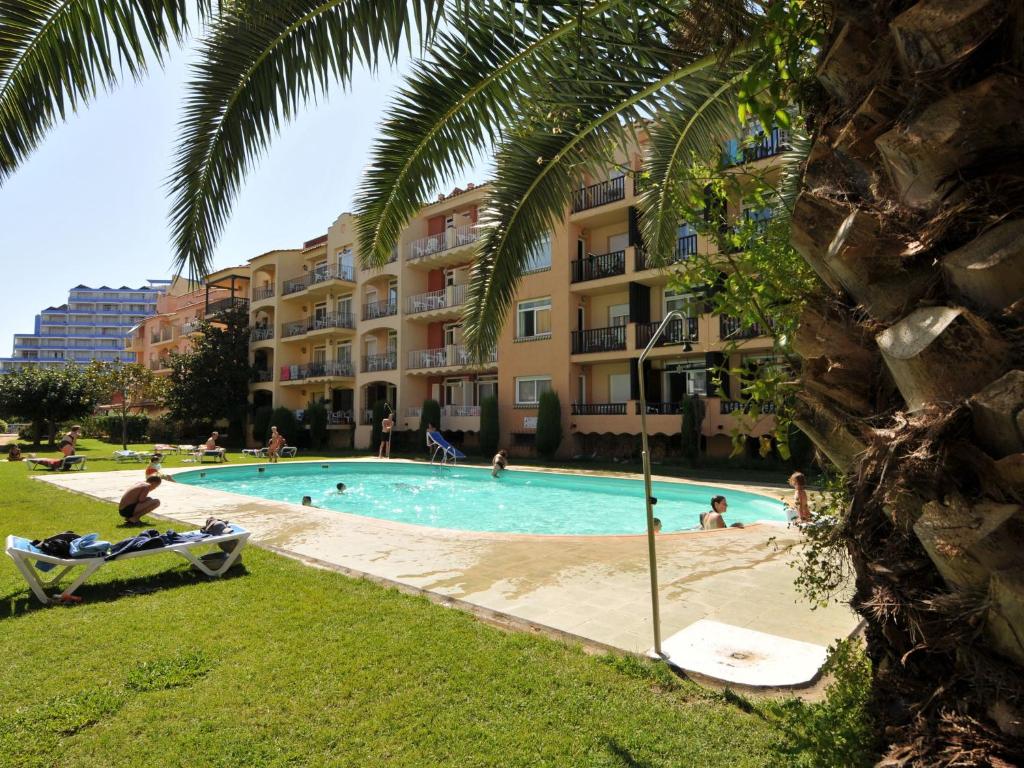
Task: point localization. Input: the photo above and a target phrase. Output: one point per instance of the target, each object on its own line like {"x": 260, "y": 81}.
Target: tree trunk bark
{"x": 911, "y": 215}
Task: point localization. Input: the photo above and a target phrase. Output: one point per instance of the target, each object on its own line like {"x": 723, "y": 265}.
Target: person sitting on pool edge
{"x": 153, "y": 468}
{"x": 136, "y": 501}
{"x": 499, "y": 462}
{"x": 715, "y": 519}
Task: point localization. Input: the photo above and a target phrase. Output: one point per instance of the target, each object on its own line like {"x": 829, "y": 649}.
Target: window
{"x": 486, "y": 386}
{"x": 684, "y": 378}
{"x": 345, "y": 306}
{"x": 540, "y": 255}
{"x": 618, "y": 314}
{"x": 371, "y": 346}
{"x": 618, "y": 242}
{"x": 320, "y": 316}
{"x": 320, "y": 355}
{"x": 682, "y": 302}
{"x": 344, "y": 352}
{"x": 346, "y": 263}
{"x": 458, "y": 392}
{"x": 618, "y": 388}
{"x": 533, "y": 319}
{"x": 392, "y": 342}
{"x": 451, "y": 333}
{"x": 393, "y": 293}
{"x": 530, "y": 388}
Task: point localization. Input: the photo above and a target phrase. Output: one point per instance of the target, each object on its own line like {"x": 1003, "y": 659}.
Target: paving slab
{"x": 596, "y": 588}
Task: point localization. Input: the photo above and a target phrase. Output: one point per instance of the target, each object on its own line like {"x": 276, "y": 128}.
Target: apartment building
{"x": 92, "y": 325}
{"x": 323, "y": 327}
{"x": 179, "y": 311}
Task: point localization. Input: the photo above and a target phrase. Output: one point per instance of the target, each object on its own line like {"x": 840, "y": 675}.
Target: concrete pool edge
{"x": 444, "y": 568}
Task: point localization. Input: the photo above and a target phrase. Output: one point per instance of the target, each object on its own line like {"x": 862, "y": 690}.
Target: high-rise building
{"x": 92, "y": 325}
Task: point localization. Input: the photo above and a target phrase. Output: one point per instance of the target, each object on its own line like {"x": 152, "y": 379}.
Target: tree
{"x": 211, "y": 380}
{"x": 490, "y": 434}
{"x": 316, "y": 417}
{"x": 549, "y": 424}
{"x": 286, "y": 423}
{"x": 430, "y": 413}
{"x": 261, "y": 422}
{"x": 48, "y": 396}
{"x": 690, "y": 408}
{"x": 127, "y": 386}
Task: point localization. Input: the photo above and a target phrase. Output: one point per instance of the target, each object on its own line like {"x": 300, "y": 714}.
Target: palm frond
{"x": 258, "y": 65}
{"x": 695, "y": 117}
{"x": 792, "y": 176}
{"x": 451, "y": 107}
{"x": 56, "y": 55}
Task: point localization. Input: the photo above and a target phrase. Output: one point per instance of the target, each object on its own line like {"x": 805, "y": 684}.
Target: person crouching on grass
{"x": 136, "y": 501}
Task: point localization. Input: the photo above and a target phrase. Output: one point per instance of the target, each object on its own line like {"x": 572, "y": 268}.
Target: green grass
{"x": 279, "y": 664}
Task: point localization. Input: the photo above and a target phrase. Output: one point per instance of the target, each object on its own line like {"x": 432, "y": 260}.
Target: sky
{"x": 89, "y": 205}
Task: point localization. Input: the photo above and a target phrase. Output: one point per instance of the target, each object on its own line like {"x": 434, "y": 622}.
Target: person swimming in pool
{"x": 341, "y": 487}
{"x": 307, "y": 501}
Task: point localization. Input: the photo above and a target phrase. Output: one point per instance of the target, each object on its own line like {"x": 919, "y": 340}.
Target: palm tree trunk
{"x": 912, "y": 216}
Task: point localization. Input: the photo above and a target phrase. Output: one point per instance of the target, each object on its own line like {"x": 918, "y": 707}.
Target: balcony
{"x": 678, "y": 331}
{"x": 261, "y": 334}
{"x": 661, "y": 409}
{"x": 595, "y": 267}
{"x": 162, "y": 364}
{"x": 373, "y": 310}
{"x": 222, "y": 305}
{"x": 599, "y": 409}
{"x": 190, "y": 328}
{"x": 263, "y": 376}
{"x": 734, "y": 406}
{"x": 387, "y": 361}
{"x": 452, "y": 296}
{"x": 599, "y": 340}
{"x": 756, "y": 147}
{"x": 322, "y": 322}
{"x": 322, "y": 369}
{"x": 686, "y": 247}
{"x": 732, "y": 329}
{"x": 162, "y": 336}
{"x": 260, "y": 294}
{"x": 602, "y": 193}
{"x": 445, "y": 357}
{"x": 317, "y": 276}
{"x": 453, "y": 237}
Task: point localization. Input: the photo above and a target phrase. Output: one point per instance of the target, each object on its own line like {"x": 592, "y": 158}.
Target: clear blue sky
{"x": 89, "y": 205}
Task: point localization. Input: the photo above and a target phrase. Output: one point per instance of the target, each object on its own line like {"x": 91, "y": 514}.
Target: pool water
{"x": 469, "y": 499}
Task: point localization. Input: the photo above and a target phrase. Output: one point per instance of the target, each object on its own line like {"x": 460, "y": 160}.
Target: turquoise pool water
{"x": 469, "y": 499}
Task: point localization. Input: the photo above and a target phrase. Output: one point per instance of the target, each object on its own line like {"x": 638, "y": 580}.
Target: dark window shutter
{"x": 713, "y": 360}
{"x": 639, "y": 303}
{"x": 634, "y": 227}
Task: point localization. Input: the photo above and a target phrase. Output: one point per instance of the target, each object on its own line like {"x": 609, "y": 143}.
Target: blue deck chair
{"x": 443, "y": 448}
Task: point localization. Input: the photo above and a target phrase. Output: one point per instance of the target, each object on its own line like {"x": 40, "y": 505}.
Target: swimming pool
{"x": 469, "y": 499}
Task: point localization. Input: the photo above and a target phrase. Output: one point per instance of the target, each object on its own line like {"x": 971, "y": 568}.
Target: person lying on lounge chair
{"x": 136, "y": 501}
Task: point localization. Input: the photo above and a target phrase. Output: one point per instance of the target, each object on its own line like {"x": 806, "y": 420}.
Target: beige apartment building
{"x": 178, "y": 313}
{"x": 323, "y": 327}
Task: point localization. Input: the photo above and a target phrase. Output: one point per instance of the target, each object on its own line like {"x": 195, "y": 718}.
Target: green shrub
{"x": 379, "y": 409}
{"x": 691, "y": 430}
{"x": 109, "y": 428}
{"x": 429, "y": 414}
{"x": 549, "y": 424}
{"x": 286, "y": 423}
{"x": 316, "y": 417}
{"x": 3, "y": 427}
{"x": 489, "y": 434}
{"x": 261, "y": 423}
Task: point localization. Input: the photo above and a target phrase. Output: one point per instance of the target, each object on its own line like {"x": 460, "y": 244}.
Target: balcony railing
{"x": 261, "y": 334}
{"x": 602, "y": 193}
{"x": 598, "y": 409}
{"x": 678, "y": 331}
{"x": 339, "y": 417}
{"x": 732, "y": 329}
{"x": 452, "y": 296}
{"x": 661, "y": 409}
{"x": 686, "y": 247}
{"x": 222, "y": 305}
{"x": 599, "y": 340}
{"x": 387, "y": 361}
{"x": 414, "y": 411}
{"x": 190, "y": 327}
{"x": 318, "y": 323}
{"x": 453, "y": 237}
{"x": 160, "y": 365}
{"x": 460, "y": 411}
{"x": 319, "y": 275}
{"x": 375, "y": 309}
{"x": 318, "y": 369}
{"x": 595, "y": 267}
{"x": 297, "y": 328}
{"x": 443, "y": 357}
{"x": 263, "y": 376}
{"x": 757, "y": 147}
{"x": 732, "y": 406}
{"x": 266, "y": 292}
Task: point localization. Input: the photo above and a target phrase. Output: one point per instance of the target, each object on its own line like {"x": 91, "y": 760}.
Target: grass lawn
{"x": 281, "y": 664}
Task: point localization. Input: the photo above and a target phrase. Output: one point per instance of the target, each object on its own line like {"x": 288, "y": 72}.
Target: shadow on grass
{"x": 624, "y": 756}
{"x": 23, "y": 601}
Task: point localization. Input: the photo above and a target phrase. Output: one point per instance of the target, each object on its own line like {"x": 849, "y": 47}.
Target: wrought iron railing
{"x": 442, "y": 357}
{"x": 453, "y": 237}
{"x": 263, "y": 376}
{"x": 676, "y": 332}
{"x": 595, "y": 267}
{"x": 460, "y": 411}
{"x": 598, "y": 409}
{"x": 732, "y": 406}
{"x": 266, "y": 292}
{"x": 318, "y": 323}
{"x": 732, "y": 329}
{"x": 602, "y": 193}
{"x": 599, "y": 340}
{"x": 375, "y": 309}
{"x": 388, "y": 361}
{"x": 222, "y": 305}
{"x": 451, "y": 296}
{"x": 661, "y": 409}
{"x": 317, "y": 369}
{"x": 686, "y": 247}
{"x": 261, "y": 333}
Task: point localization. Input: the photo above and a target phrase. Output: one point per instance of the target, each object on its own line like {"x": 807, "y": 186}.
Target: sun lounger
{"x": 258, "y": 453}
{"x": 130, "y": 456}
{"x": 25, "y": 556}
{"x": 442, "y": 448}
{"x": 288, "y": 452}
{"x": 215, "y": 455}
{"x": 165, "y": 448}
{"x": 67, "y": 463}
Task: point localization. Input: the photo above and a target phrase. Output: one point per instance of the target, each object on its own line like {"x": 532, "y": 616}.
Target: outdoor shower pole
{"x": 646, "y": 458}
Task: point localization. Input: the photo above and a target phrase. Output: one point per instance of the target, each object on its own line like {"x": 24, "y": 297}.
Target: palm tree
{"x": 907, "y": 214}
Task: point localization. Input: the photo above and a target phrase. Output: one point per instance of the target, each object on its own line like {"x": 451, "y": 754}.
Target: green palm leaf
{"x": 55, "y": 56}
{"x": 259, "y": 64}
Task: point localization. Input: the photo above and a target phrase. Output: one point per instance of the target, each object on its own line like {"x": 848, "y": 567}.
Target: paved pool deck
{"x": 594, "y": 588}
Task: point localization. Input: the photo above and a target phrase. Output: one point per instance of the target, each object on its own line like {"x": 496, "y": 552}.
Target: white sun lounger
{"x": 130, "y": 456}
{"x": 67, "y": 463}
{"x": 288, "y": 452}
{"x": 259, "y": 453}
{"x": 21, "y": 552}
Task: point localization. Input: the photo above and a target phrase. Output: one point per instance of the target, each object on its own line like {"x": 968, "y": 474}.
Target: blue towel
{"x": 89, "y": 545}
{"x": 26, "y": 546}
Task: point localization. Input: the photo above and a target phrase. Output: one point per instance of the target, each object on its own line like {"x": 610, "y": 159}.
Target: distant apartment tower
{"x": 92, "y": 325}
